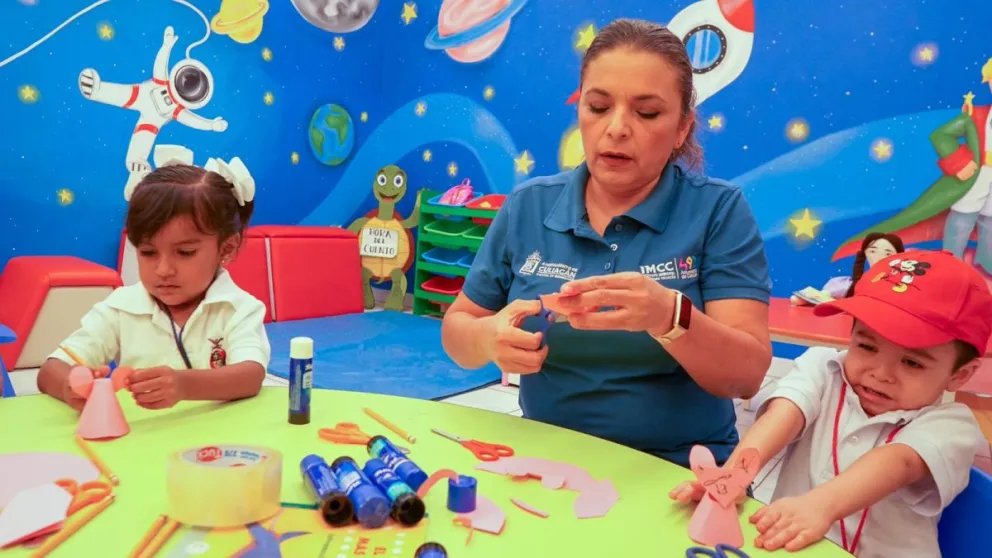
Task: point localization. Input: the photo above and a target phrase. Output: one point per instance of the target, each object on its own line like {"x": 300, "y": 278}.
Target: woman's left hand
{"x": 636, "y": 302}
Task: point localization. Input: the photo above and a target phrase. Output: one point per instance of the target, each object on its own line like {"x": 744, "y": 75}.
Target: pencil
{"x": 160, "y": 538}
{"x": 73, "y": 356}
{"x": 67, "y": 531}
{"x": 97, "y": 462}
{"x": 399, "y": 431}
{"x": 156, "y": 527}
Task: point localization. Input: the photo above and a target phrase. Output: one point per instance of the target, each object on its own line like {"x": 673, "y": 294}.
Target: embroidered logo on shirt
{"x": 530, "y": 265}
{"x": 534, "y": 266}
{"x": 218, "y": 356}
{"x": 669, "y": 270}
{"x": 902, "y": 274}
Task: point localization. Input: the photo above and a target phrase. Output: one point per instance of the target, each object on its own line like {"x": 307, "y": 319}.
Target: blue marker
{"x": 300, "y": 379}
{"x": 381, "y": 448}
{"x": 334, "y": 503}
{"x": 371, "y": 505}
{"x": 408, "y": 508}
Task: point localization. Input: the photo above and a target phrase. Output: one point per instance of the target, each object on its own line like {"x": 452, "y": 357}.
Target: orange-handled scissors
{"x": 483, "y": 450}
{"x": 84, "y": 494}
{"x": 348, "y": 433}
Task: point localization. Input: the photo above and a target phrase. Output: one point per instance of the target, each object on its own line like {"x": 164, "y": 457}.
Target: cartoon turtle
{"x": 386, "y": 242}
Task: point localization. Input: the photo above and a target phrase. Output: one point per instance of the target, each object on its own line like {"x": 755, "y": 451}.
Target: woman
{"x": 628, "y": 231}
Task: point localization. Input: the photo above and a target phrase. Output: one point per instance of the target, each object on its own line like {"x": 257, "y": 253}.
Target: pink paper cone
{"x": 102, "y": 416}
{"x": 713, "y": 524}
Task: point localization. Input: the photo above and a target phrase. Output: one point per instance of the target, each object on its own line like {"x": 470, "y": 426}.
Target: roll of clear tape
{"x": 224, "y": 485}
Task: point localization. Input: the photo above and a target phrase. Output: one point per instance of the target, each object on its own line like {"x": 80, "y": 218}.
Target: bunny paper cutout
{"x": 715, "y": 519}
{"x": 102, "y": 416}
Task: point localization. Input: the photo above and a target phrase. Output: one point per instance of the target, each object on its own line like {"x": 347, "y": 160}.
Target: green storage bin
{"x": 478, "y": 232}
{"x": 447, "y": 227}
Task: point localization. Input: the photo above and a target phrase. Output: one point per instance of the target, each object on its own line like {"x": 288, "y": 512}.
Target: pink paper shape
{"x": 597, "y": 500}
{"x": 715, "y": 519}
{"x": 121, "y": 376}
{"x": 487, "y": 516}
{"x": 26, "y": 470}
{"x": 81, "y": 381}
{"x": 33, "y": 512}
{"x": 102, "y": 416}
{"x": 601, "y": 497}
{"x": 528, "y": 508}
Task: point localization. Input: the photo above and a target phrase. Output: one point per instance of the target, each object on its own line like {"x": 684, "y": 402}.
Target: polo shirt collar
{"x": 851, "y": 400}
{"x": 569, "y": 211}
{"x": 139, "y": 301}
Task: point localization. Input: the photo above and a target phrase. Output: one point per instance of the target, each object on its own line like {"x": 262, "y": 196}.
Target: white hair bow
{"x": 167, "y": 155}
{"x": 237, "y": 174}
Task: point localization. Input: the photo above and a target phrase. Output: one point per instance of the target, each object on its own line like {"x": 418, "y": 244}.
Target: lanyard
{"x": 864, "y": 513}
{"x": 178, "y": 336}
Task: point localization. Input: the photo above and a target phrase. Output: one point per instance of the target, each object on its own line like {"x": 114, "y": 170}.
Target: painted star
{"x": 523, "y": 163}
{"x": 488, "y": 93}
{"x": 65, "y": 196}
{"x": 427, "y": 155}
{"x": 409, "y": 12}
{"x": 452, "y": 169}
{"x": 797, "y": 130}
{"x": 268, "y": 98}
{"x": 420, "y": 109}
{"x": 267, "y": 54}
{"x": 881, "y": 150}
{"x": 105, "y": 31}
{"x": 586, "y": 37}
{"x": 926, "y": 54}
{"x": 28, "y": 94}
{"x": 969, "y": 97}
{"x": 294, "y": 158}
{"x": 339, "y": 43}
{"x": 364, "y": 117}
{"x": 805, "y": 225}
{"x": 715, "y": 122}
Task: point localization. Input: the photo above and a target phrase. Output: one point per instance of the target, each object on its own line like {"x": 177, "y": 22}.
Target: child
{"x": 873, "y": 454}
{"x": 187, "y": 330}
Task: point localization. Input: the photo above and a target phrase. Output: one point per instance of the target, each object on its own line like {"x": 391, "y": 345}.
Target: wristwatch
{"x": 680, "y": 319}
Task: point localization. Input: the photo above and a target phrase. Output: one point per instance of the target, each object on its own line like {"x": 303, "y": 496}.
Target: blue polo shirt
{"x": 693, "y": 234}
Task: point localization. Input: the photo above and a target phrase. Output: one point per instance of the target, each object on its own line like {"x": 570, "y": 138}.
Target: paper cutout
{"x": 434, "y": 479}
{"x": 487, "y": 516}
{"x": 715, "y": 519}
{"x": 596, "y": 498}
{"x": 551, "y": 302}
{"x": 102, "y": 416}
{"x": 33, "y": 512}
{"x": 528, "y": 508}
{"x": 27, "y": 470}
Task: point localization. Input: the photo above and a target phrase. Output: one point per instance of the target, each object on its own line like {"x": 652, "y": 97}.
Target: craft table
{"x": 643, "y": 522}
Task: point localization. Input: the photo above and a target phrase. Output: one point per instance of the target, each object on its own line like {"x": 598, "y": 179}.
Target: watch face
{"x": 685, "y": 312}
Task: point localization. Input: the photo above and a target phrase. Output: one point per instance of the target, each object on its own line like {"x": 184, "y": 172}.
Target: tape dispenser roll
{"x": 223, "y": 486}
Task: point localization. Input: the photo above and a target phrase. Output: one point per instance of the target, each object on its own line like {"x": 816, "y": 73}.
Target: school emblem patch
{"x": 218, "y": 356}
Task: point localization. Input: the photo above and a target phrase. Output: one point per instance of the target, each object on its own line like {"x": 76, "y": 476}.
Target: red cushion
{"x": 250, "y": 269}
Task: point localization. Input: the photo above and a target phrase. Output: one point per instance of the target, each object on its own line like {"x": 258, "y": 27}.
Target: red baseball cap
{"x": 921, "y": 298}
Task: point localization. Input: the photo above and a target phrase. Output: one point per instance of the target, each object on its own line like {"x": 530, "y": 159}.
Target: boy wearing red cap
{"x": 872, "y": 453}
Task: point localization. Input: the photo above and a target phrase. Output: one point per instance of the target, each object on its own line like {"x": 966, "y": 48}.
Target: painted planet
{"x": 332, "y": 134}
{"x": 240, "y": 19}
{"x": 337, "y": 16}
{"x": 472, "y": 30}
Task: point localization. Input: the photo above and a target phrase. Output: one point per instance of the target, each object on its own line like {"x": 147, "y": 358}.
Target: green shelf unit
{"x": 434, "y": 223}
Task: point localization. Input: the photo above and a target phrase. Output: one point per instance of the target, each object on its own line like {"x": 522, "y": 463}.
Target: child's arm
{"x": 95, "y": 343}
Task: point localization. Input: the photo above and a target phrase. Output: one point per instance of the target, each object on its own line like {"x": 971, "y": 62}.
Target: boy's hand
{"x": 792, "y": 523}
{"x": 694, "y": 491}
{"x": 155, "y": 388}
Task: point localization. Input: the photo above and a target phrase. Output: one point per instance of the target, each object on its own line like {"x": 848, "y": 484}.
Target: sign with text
{"x": 380, "y": 243}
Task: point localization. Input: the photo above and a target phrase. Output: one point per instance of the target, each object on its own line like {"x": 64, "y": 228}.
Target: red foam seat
{"x": 41, "y": 318}
{"x": 250, "y": 269}
{"x": 316, "y": 271}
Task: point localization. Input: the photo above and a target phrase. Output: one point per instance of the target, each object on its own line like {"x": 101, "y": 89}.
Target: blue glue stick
{"x": 300, "y": 379}
{"x": 431, "y": 550}
{"x": 408, "y": 508}
{"x": 371, "y": 505}
{"x": 381, "y": 448}
{"x": 334, "y": 503}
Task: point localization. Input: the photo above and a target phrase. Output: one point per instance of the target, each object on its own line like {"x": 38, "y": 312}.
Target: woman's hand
{"x": 790, "y": 523}
{"x": 511, "y": 349}
{"x": 155, "y": 388}
{"x": 637, "y": 303}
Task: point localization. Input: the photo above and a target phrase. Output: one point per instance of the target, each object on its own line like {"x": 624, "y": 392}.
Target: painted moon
{"x": 337, "y": 16}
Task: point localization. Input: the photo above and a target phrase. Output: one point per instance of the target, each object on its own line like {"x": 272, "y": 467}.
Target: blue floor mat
{"x": 389, "y": 353}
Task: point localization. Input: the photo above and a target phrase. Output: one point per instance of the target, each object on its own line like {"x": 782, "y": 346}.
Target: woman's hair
{"x": 859, "y": 260}
{"x": 654, "y": 38}
{"x": 171, "y": 191}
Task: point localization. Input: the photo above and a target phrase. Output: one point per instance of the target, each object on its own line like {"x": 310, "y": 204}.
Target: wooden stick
{"x": 67, "y": 531}
{"x": 149, "y": 535}
{"x": 95, "y": 459}
{"x": 160, "y": 538}
{"x": 73, "y": 356}
{"x": 399, "y": 431}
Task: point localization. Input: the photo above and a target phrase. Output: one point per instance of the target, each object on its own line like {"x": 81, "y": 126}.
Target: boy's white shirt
{"x": 945, "y": 435}
{"x": 131, "y": 329}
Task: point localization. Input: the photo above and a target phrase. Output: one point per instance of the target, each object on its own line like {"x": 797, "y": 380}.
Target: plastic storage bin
{"x": 447, "y": 227}
{"x": 443, "y": 285}
{"x": 477, "y": 232}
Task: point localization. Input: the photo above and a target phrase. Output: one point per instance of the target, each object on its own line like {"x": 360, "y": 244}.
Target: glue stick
{"x": 300, "y": 379}
{"x": 431, "y": 550}
{"x": 334, "y": 503}
{"x": 371, "y": 505}
{"x": 407, "y": 507}
{"x": 381, "y": 448}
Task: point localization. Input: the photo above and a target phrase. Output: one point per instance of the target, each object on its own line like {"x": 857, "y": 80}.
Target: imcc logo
{"x": 676, "y": 268}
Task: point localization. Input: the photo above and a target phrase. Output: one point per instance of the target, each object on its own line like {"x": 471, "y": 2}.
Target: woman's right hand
{"x": 512, "y": 349}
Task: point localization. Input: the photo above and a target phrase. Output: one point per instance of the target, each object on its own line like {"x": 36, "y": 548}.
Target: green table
{"x": 643, "y": 523}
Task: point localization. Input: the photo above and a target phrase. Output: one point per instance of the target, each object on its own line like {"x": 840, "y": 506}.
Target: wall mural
{"x": 839, "y": 121}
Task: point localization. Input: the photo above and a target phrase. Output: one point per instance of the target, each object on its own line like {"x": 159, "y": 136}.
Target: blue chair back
{"x": 8, "y": 388}
{"x": 964, "y": 526}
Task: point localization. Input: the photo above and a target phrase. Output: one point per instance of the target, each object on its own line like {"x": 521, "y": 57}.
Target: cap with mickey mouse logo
{"x": 921, "y": 298}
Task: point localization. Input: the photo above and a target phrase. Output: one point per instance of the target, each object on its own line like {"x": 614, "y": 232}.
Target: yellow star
{"x": 427, "y": 155}
{"x": 523, "y": 163}
{"x": 881, "y": 150}
{"x": 926, "y": 54}
{"x": 269, "y": 98}
{"x": 267, "y": 54}
{"x": 805, "y": 225}
{"x": 452, "y": 169}
{"x": 339, "y": 43}
{"x": 294, "y": 158}
{"x": 797, "y": 130}
{"x": 488, "y": 93}
{"x": 715, "y": 122}
{"x": 969, "y": 97}
{"x": 409, "y": 12}
{"x": 364, "y": 117}
{"x": 28, "y": 94}
{"x": 420, "y": 109}
{"x": 65, "y": 196}
{"x": 586, "y": 37}
{"x": 105, "y": 31}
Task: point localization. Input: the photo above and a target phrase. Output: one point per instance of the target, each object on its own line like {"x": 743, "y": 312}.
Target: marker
{"x": 300, "y": 379}
{"x": 334, "y": 503}
{"x": 370, "y": 504}
{"x": 407, "y": 508}
{"x": 381, "y": 448}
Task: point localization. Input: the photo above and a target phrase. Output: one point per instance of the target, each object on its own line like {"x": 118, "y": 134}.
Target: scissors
{"x": 720, "y": 551}
{"x": 483, "y": 450}
{"x": 547, "y": 318}
{"x": 84, "y": 494}
{"x": 348, "y": 433}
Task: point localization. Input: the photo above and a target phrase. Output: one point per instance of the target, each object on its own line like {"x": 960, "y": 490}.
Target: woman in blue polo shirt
{"x": 665, "y": 273}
